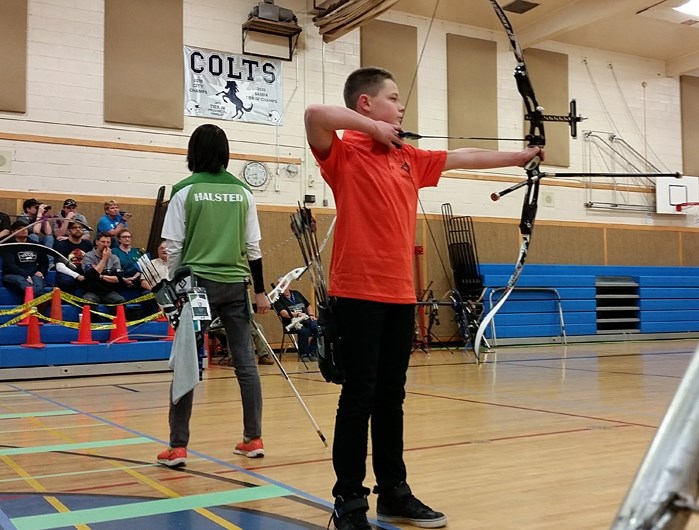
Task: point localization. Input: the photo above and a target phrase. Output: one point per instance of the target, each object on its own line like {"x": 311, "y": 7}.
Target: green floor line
{"x": 90, "y": 471}
{"x": 57, "y": 428}
{"x": 146, "y": 508}
{"x": 73, "y": 447}
{"x": 39, "y": 414}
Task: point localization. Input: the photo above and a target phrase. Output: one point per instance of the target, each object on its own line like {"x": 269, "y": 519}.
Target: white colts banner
{"x": 228, "y": 86}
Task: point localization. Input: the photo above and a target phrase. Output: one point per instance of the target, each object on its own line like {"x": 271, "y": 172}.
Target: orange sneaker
{"x": 253, "y": 449}
{"x": 173, "y": 457}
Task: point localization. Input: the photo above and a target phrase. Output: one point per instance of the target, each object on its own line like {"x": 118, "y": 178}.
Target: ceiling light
{"x": 690, "y": 8}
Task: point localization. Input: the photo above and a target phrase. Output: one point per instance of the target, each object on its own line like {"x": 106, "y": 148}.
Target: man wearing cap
{"x": 74, "y": 247}
{"x": 70, "y": 212}
{"x": 36, "y": 211}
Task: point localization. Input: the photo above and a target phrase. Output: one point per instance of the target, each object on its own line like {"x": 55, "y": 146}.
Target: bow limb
{"x": 519, "y": 266}
{"x": 40, "y": 248}
{"x": 284, "y": 283}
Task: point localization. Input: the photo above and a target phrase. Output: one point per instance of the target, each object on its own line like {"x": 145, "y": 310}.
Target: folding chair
{"x": 290, "y": 334}
{"x": 467, "y": 296}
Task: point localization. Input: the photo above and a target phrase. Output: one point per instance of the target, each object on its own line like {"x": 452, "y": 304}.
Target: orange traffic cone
{"x": 170, "y": 333}
{"x": 119, "y": 334}
{"x": 85, "y": 330}
{"x": 28, "y": 297}
{"x": 56, "y": 307}
{"x": 33, "y": 334}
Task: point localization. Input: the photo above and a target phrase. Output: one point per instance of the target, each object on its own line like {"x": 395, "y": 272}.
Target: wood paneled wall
{"x": 13, "y": 59}
{"x": 497, "y": 241}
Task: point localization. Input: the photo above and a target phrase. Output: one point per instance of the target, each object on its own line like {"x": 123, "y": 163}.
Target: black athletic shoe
{"x": 350, "y": 513}
{"x": 401, "y": 506}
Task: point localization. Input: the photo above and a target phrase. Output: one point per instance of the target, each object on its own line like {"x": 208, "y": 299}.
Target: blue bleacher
{"x": 60, "y": 352}
{"x": 668, "y": 299}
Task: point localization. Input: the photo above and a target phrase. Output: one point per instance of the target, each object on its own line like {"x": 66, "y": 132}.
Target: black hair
{"x": 368, "y": 80}
{"x": 19, "y": 224}
{"x": 208, "y": 149}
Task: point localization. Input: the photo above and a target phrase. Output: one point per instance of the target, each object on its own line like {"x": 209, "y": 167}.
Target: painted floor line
{"x": 87, "y": 472}
{"x": 146, "y": 508}
{"x": 39, "y": 414}
{"x": 57, "y": 428}
{"x": 74, "y": 447}
{"x": 5, "y": 522}
{"x": 210, "y": 458}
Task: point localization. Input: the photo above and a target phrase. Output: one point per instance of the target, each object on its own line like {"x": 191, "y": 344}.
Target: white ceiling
{"x": 644, "y": 28}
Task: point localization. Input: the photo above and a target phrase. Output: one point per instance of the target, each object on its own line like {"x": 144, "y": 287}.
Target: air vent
{"x": 689, "y": 22}
{"x": 520, "y": 6}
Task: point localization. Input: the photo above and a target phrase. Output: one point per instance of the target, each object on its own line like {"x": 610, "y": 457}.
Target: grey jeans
{"x": 230, "y": 301}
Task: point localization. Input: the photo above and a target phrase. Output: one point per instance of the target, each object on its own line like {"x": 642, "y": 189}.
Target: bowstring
{"x": 405, "y": 162}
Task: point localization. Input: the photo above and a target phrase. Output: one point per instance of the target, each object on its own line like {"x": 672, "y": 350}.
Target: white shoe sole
{"x": 177, "y": 462}
{"x": 420, "y": 523}
{"x": 257, "y": 453}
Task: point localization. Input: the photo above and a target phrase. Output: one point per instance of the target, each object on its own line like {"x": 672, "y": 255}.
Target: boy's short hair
{"x": 367, "y": 80}
{"x": 208, "y": 149}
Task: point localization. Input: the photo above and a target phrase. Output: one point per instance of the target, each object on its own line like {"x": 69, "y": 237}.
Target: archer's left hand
{"x": 530, "y": 153}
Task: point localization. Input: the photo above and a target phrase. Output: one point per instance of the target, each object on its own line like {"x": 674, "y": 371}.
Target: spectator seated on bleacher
{"x": 33, "y": 211}
{"x": 103, "y": 274}
{"x": 128, "y": 257}
{"x": 112, "y": 221}
{"x": 27, "y": 267}
{"x": 5, "y": 225}
{"x": 68, "y": 212}
{"x": 74, "y": 248}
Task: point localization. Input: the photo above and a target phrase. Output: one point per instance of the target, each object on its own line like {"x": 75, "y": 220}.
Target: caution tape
{"x": 96, "y": 326}
{"x": 16, "y": 319}
{"x": 28, "y": 305}
{"x": 30, "y": 308}
{"x": 76, "y": 300}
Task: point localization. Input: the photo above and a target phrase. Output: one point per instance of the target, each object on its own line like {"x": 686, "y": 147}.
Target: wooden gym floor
{"x": 543, "y": 437}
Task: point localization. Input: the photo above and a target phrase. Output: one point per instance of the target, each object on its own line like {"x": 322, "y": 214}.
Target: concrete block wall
{"x": 65, "y": 100}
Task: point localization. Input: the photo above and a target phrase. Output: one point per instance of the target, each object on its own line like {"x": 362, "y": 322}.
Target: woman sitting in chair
{"x": 298, "y": 317}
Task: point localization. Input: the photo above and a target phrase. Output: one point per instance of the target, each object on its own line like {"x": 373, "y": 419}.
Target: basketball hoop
{"x": 684, "y": 205}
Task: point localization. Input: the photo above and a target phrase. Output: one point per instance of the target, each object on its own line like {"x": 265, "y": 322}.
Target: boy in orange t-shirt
{"x": 375, "y": 180}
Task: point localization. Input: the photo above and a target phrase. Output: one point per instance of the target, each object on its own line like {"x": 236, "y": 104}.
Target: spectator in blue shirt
{"x": 112, "y": 221}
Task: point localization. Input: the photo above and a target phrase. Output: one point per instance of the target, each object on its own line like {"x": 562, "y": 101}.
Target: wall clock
{"x": 255, "y": 173}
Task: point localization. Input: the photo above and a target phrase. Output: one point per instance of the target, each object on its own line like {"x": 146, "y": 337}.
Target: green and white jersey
{"x": 213, "y": 219}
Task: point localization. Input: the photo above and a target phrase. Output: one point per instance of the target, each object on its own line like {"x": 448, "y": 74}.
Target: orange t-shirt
{"x": 375, "y": 190}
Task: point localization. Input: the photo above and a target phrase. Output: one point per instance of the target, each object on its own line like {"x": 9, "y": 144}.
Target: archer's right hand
{"x": 387, "y": 134}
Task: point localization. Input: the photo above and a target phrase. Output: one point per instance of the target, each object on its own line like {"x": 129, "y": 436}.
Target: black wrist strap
{"x": 258, "y": 282}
